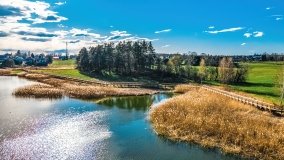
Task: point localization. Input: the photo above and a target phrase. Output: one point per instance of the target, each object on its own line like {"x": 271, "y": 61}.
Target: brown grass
{"x": 74, "y": 89}
{"x": 4, "y": 72}
{"x": 89, "y": 92}
{"x": 36, "y": 76}
{"x": 183, "y": 88}
{"x": 39, "y": 91}
{"x": 53, "y": 81}
{"x": 21, "y": 74}
{"x": 212, "y": 120}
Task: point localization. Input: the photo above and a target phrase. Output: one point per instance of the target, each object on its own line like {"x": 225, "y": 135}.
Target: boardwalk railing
{"x": 164, "y": 86}
{"x": 247, "y": 100}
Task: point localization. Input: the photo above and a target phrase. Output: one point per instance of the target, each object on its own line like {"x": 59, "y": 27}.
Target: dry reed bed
{"x": 53, "y": 81}
{"x": 39, "y": 91}
{"x": 201, "y": 117}
{"x": 5, "y": 72}
{"x": 73, "y": 89}
{"x": 89, "y": 92}
{"x": 183, "y": 88}
{"x": 36, "y": 76}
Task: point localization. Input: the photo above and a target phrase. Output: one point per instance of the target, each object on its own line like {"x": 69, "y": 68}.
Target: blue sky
{"x": 215, "y": 27}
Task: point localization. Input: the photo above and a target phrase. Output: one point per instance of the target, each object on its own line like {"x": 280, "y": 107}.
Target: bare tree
{"x": 202, "y": 70}
{"x": 226, "y": 70}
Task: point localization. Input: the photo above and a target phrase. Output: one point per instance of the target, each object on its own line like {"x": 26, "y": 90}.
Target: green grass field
{"x": 63, "y": 64}
{"x": 65, "y": 68}
{"x": 74, "y": 73}
{"x": 261, "y": 81}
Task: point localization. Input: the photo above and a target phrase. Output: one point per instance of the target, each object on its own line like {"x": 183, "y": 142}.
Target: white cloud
{"x": 243, "y": 44}
{"x": 163, "y": 31}
{"x": 225, "y": 30}
{"x": 60, "y": 3}
{"x": 258, "y": 34}
{"x": 278, "y": 17}
{"x": 268, "y": 8}
{"x": 248, "y": 35}
{"x": 211, "y": 27}
{"x": 117, "y": 35}
{"x": 26, "y": 36}
{"x": 61, "y": 26}
{"x": 34, "y": 11}
{"x": 136, "y": 38}
{"x": 120, "y": 33}
{"x": 166, "y": 46}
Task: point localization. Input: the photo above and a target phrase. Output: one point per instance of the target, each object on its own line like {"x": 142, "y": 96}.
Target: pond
{"x": 110, "y": 128}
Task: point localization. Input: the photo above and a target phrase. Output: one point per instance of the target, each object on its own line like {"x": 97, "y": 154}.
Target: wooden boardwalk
{"x": 247, "y": 100}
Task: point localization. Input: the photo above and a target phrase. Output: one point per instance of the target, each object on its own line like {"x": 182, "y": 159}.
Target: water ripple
{"x": 68, "y": 136}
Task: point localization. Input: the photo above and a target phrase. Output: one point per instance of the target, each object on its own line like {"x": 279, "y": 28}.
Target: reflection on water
{"x": 59, "y": 137}
{"x": 114, "y": 128}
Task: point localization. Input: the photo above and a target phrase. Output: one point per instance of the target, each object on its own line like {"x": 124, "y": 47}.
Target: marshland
{"x": 110, "y": 128}
{"x": 215, "y": 121}
{"x": 194, "y": 119}
{"x": 141, "y": 80}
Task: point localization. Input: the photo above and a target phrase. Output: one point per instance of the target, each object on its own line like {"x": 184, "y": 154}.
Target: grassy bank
{"x": 198, "y": 116}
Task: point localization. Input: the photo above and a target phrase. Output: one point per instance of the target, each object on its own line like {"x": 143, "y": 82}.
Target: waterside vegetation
{"x": 56, "y": 88}
{"x": 198, "y": 116}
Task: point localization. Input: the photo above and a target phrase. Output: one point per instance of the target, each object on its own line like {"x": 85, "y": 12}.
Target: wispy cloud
{"x": 225, "y": 30}
{"x": 258, "y": 34}
{"x": 248, "y": 35}
{"x": 255, "y": 34}
{"x": 278, "y": 17}
{"x": 61, "y": 26}
{"x": 163, "y": 31}
{"x": 211, "y": 27}
{"x": 268, "y": 8}
{"x": 60, "y": 3}
{"x": 243, "y": 44}
{"x": 166, "y": 46}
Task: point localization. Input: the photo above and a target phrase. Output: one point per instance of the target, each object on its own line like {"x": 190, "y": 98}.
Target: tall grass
{"x": 39, "y": 91}
{"x": 183, "y": 88}
{"x": 36, "y": 76}
{"x": 212, "y": 120}
{"x": 89, "y": 92}
{"x": 56, "y": 88}
{"x": 4, "y": 72}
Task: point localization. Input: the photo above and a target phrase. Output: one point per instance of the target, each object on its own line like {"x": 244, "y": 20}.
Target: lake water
{"x": 113, "y": 128}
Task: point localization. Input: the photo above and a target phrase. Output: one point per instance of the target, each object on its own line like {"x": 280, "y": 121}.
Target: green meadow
{"x": 261, "y": 81}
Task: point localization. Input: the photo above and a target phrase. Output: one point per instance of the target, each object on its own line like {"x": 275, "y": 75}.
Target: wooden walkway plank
{"x": 247, "y": 100}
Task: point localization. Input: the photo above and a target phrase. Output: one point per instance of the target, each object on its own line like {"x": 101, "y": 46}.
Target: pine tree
{"x": 83, "y": 60}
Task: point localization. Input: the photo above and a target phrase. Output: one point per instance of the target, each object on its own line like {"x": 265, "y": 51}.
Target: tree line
{"x": 138, "y": 58}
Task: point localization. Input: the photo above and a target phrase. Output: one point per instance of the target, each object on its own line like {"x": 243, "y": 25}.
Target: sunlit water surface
{"x": 111, "y": 128}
